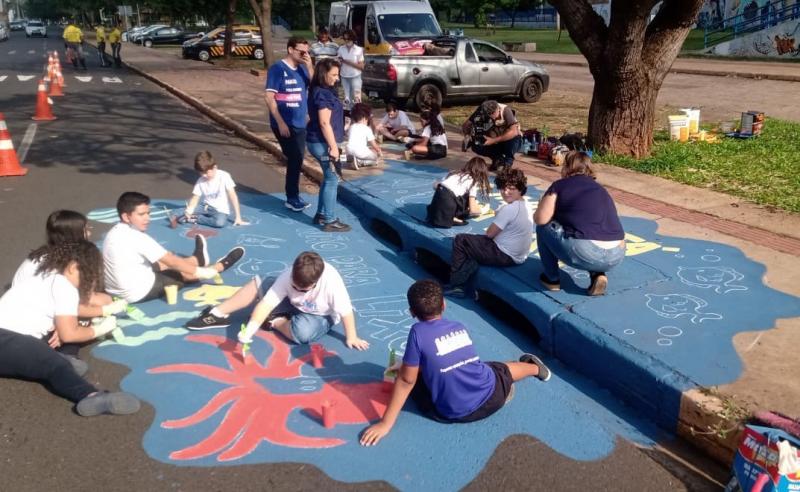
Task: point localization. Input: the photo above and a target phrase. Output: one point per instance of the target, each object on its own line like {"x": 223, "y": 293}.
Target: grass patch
{"x": 765, "y": 170}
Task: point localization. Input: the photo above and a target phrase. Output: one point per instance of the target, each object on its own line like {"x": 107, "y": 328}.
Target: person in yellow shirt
{"x": 100, "y": 33}
{"x": 73, "y": 37}
{"x": 114, "y": 38}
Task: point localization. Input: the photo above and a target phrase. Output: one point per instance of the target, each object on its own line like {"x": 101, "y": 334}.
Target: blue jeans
{"x": 294, "y": 148}
{"x": 582, "y": 254}
{"x": 306, "y": 328}
{"x": 330, "y": 182}
{"x": 211, "y": 217}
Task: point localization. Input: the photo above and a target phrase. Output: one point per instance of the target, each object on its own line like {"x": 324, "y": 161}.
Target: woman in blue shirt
{"x": 325, "y": 129}
{"x": 577, "y": 223}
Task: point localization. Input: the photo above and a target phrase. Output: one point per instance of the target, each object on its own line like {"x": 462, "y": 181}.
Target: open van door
{"x": 337, "y": 21}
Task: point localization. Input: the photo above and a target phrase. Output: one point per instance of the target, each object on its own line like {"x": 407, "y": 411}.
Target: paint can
{"x": 678, "y": 128}
{"x": 693, "y": 114}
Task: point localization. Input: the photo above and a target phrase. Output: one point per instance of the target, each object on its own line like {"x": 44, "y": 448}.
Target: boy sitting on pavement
{"x": 137, "y": 267}
{"x": 455, "y": 385}
{"x": 507, "y": 242}
{"x": 216, "y": 188}
{"x": 302, "y": 304}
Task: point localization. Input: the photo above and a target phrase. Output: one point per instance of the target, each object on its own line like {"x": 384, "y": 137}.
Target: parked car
{"x": 3, "y": 33}
{"x": 36, "y": 28}
{"x": 246, "y": 42}
{"x": 471, "y": 68}
{"x": 136, "y": 37}
{"x": 18, "y": 25}
{"x": 166, "y": 35}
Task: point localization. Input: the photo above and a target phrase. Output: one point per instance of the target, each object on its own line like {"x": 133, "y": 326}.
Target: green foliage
{"x": 765, "y": 169}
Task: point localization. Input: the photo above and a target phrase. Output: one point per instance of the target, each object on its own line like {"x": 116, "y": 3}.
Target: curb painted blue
{"x": 665, "y": 325}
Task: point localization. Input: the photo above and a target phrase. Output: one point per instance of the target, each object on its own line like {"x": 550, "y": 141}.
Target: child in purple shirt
{"x": 455, "y": 385}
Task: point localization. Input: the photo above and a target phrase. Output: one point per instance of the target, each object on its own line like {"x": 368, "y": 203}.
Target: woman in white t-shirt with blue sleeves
{"x": 432, "y": 142}
{"x": 48, "y": 301}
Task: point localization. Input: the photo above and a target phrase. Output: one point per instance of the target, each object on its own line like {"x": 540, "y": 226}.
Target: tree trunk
{"x": 313, "y": 19}
{"x": 260, "y": 21}
{"x": 266, "y": 32}
{"x": 229, "y": 18}
{"x": 628, "y": 59}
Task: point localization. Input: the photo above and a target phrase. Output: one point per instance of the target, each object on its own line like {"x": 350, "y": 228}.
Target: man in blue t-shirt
{"x": 287, "y": 100}
{"x": 455, "y": 385}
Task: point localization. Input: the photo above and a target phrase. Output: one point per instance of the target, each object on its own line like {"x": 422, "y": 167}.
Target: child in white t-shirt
{"x": 216, "y": 188}
{"x": 137, "y": 267}
{"x": 432, "y": 143}
{"x": 507, "y": 241}
{"x": 40, "y": 312}
{"x": 395, "y": 124}
{"x": 302, "y": 304}
{"x": 361, "y": 137}
{"x": 455, "y": 197}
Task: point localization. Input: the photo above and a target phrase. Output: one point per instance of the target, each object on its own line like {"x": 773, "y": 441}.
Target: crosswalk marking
{"x": 12, "y": 52}
{"x": 3, "y": 77}
{"x": 112, "y": 80}
{"x": 25, "y": 78}
{"x": 84, "y": 79}
{"x": 31, "y": 52}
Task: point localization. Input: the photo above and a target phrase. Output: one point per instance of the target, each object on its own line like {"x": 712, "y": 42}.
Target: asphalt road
{"x": 112, "y": 136}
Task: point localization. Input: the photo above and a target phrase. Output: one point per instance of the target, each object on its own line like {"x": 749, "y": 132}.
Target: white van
{"x": 386, "y": 27}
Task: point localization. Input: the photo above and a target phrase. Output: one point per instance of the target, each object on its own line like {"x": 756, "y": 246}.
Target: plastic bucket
{"x": 678, "y": 127}
{"x": 693, "y": 114}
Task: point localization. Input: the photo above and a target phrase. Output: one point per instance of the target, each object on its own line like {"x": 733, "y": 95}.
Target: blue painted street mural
{"x": 213, "y": 408}
{"x": 677, "y": 299}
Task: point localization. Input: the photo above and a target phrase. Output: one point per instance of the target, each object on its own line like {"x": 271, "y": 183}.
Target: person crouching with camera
{"x": 493, "y": 131}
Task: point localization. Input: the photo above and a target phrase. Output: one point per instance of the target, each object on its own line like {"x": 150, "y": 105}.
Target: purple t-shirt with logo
{"x": 451, "y": 369}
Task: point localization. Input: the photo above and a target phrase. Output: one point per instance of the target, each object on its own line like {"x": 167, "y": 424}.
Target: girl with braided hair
{"x": 48, "y": 301}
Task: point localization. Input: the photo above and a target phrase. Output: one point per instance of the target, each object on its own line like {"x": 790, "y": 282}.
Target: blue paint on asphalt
{"x": 665, "y": 325}
{"x": 569, "y": 413}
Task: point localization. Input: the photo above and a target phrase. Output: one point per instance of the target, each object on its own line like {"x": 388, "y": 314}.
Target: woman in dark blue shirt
{"x": 577, "y": 223}
{"x": 325, "y": 131}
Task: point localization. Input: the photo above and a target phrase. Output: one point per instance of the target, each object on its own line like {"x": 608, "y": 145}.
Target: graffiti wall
{"x": 781, "y": 41}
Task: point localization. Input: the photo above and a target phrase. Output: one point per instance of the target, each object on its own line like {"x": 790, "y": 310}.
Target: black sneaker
{"x": 104, "y": 402}
{"x": 318, "y": 220}
{"x": 206, "y": 321}
{"x": 200, "y": 250}
{"x": 336, "y": 226}
{"x": 544, "y": 371}
{"x": 231, "y": 258}
{"x": 183, "y": 219}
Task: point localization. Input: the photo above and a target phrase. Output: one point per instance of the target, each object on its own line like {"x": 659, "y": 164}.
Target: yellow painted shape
{"x": 636, "y": 245}
{"x": 487, "y": 215}
{"x": 670, "y": 249}
{"x": 209, "y": 295}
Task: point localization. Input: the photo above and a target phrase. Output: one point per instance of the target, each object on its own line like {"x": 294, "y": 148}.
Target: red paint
{"x": 328, "y": 414}
{"x": 254, "y": 414}
{"x": 317, "y": 354}
{"x": 195, "y": 231}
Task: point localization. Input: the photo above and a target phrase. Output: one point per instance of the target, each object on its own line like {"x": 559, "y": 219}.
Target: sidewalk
{"x": 235, "y": 100}
{"x": 785, "y": 71}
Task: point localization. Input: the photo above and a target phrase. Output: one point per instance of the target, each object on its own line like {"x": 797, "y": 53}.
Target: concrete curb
{"x": 699, "y": 412}
{"x": 692, "y": 71}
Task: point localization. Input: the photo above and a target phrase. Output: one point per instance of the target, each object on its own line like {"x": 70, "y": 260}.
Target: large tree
{"x": 263, "y": 12}
{"x": 628, "y": 59}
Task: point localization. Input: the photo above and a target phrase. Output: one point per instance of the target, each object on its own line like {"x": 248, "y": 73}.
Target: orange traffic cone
{"x": 55, "y": 85}
{"x": 43, "y": 111}
{"x": 9, "y": 164}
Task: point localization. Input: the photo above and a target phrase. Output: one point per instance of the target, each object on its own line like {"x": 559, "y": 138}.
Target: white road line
{"x": 84, "y": 78}
{"x": 27, "y": 140}
{"x": 25, "y": 78}
{"x": 12, "y": 52}
{"x": 112, "y": 80}
{"x": 31, "y": 52}
{"x": 3, "y": 77}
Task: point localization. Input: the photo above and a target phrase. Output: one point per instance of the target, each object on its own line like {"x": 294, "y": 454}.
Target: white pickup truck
{"x": 470, "y": 68}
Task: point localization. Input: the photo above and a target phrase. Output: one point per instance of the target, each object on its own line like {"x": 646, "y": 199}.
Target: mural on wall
{"x": 781, "y": 41}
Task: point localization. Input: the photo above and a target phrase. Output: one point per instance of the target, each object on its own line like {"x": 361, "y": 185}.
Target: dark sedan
{"x": 167, "y": 35}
